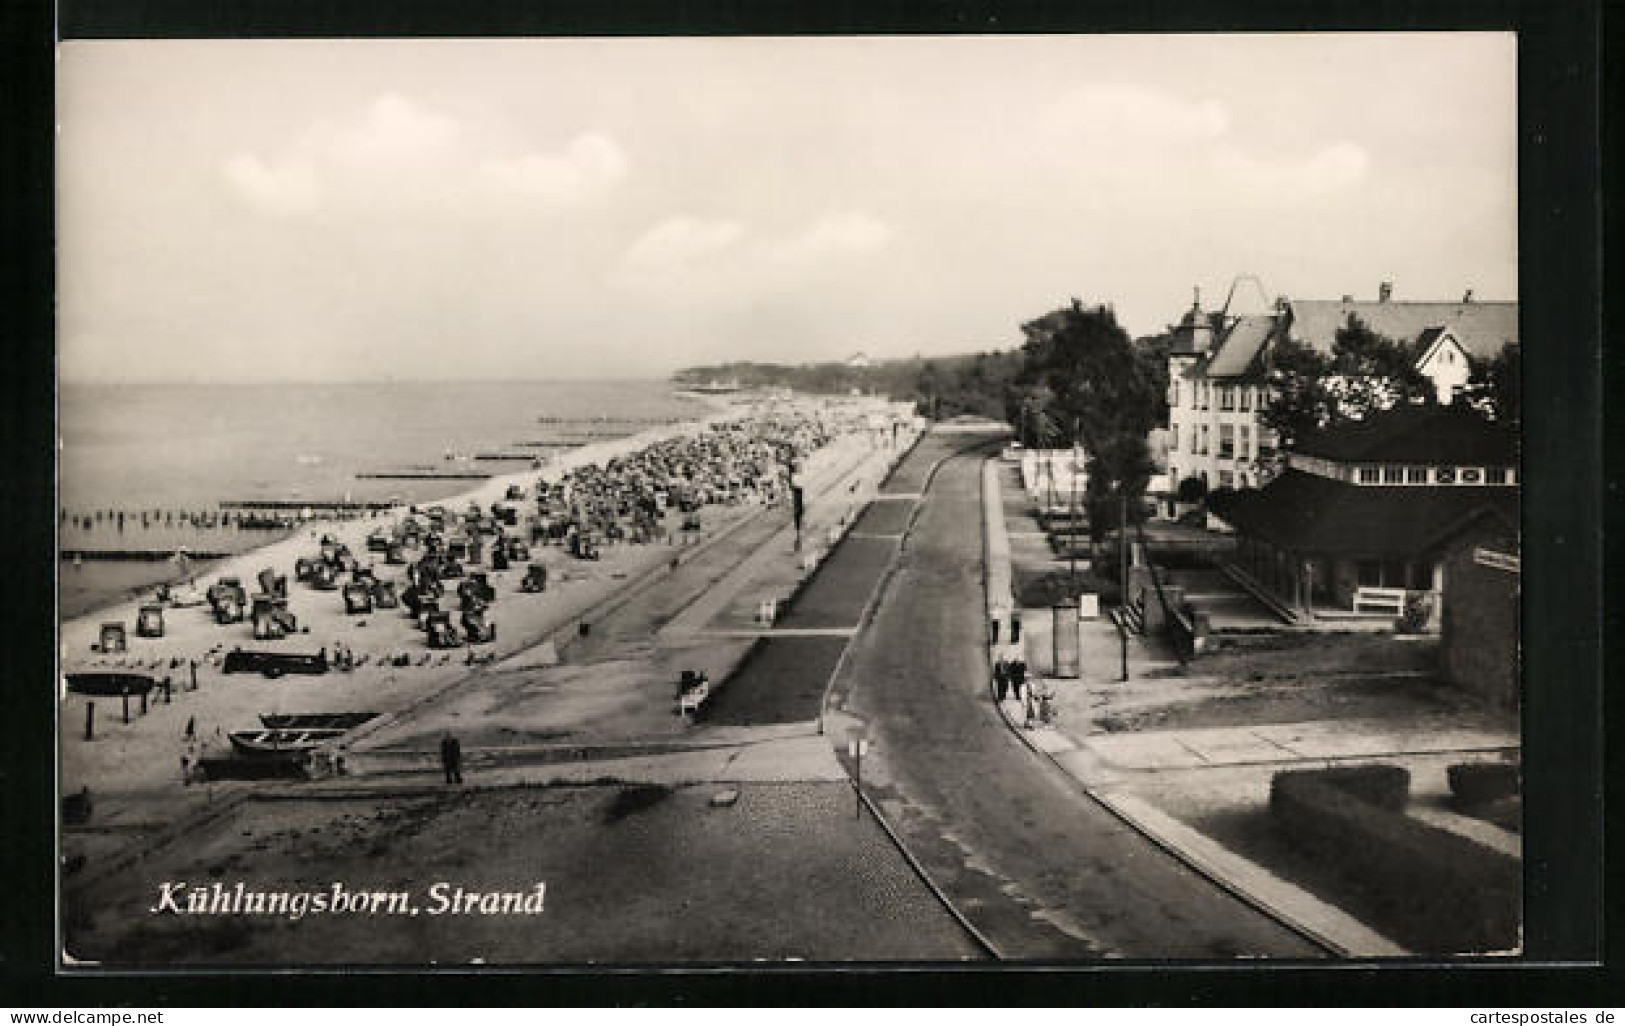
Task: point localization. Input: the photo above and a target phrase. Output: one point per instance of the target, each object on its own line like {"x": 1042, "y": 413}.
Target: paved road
{"x": 1041, "y": 869}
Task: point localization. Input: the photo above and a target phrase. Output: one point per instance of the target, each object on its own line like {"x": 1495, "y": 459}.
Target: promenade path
{"x": 1041, "y": 869}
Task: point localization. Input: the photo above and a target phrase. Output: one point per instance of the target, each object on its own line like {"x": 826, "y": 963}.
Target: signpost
{"x": 1497, "y": 560}
{"x": 857, "y": 742}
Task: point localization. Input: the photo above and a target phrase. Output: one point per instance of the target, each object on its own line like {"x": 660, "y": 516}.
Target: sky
{"x": 308, "y": 210}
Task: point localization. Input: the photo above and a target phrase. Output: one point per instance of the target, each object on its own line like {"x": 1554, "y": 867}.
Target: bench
{"x": 693, "y": 699}
{"x": 1379, "y": 600}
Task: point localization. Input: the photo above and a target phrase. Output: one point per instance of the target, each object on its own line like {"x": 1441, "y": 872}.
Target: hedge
{"x": 1386, "y": 787}
{"x": 1476, "y": 782}
{"x": 1413, "y": 871}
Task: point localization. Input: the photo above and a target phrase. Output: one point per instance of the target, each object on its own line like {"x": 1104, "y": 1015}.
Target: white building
{"x": 1218, "y": 370}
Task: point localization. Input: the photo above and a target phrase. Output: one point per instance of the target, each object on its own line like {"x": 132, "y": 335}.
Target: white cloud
{"x": 1331, "y": 168}
{"x": 395, "y": 128}
{"x": 678, "y": 242}
{"x": 1122, "y": 113}
{"x": 588, "y": 165}
{"x": 692, "y": 260}
{"x": 838, "y": 234}
{"x": 284, "y": 187}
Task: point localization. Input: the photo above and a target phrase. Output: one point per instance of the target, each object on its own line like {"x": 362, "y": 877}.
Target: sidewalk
{"x": 1126, "y": 771}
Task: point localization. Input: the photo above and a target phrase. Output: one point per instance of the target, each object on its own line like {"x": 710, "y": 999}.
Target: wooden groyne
{"x": 326, "y": 505}
{"x": 136, "y": 555}
{"x": 415, "y": 475}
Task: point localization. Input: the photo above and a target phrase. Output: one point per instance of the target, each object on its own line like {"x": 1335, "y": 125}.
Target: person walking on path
{"x": 451, "y": 758}
{"x": 1018, "y": 675}
{"x": 1001, "y": 678}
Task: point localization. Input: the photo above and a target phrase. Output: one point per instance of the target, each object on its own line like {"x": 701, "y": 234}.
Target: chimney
{"x": 1467, "y": 297}
{"x": 1347, "y": 298}
{"x": 1385, "y": 292}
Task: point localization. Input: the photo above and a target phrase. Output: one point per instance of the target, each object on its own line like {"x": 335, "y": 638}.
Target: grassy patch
{"x": 633, "y": 800}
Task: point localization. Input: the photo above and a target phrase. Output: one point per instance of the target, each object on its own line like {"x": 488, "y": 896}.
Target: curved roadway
{"x": 1041, "y": 869}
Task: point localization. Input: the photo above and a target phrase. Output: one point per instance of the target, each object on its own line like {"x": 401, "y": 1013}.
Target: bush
{"x": 1413, "y": 870}
{"x": 1192, "y": 489}
{"x": 1477, "y": 782}
{"x": 1386, "y": 787}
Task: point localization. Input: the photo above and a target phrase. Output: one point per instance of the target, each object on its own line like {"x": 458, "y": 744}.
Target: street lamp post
{"x": 1122, "y": 593}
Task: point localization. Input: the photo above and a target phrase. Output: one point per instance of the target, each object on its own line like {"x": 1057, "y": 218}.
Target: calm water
{"x": 188, "y": 447}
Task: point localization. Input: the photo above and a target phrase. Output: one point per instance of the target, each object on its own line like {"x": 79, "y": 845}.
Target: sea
{"x": 176, "y": 452}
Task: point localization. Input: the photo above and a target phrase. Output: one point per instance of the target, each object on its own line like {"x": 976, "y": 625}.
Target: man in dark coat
{"x": 451, "y": 758}
{"x": 1001, "y": 678}
{"x": 1018, "y": 675}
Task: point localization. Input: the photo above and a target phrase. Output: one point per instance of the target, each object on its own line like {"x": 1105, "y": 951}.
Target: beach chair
{"x": 441, "y": 632}
{"x": 428, "y": 610}
{"x": 271, "y": 583}
{"x": 383, "y": 595}
{"x": 149, "y": 623}
{"x": 266, "y": 627}
{"x": 535, "y": 579}
{"x": 283, "y": 616}
{"x": 111, "y": 638}
{"x": 227, "y": 606}
{"x": 476, "y": 628}
{"x": 357, "y": 599}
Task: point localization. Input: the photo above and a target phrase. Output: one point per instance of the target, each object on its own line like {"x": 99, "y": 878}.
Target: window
{"x": 1416, "y": 475}
{"x": 1246, "y": 439}
{"x": 1241, "y": 480}
{"x": 1203, "y": 449}
{"x": 1227, "y": 397}
{"x": 1246, "y": 398}
{"x": 1369, "y": 475}
{"x": 1173, "y": 437}
{"x": 1393, "y": 475}
{"x": 1495, "y": 475}
{"x": 1226, "y": 479}
{"x": 1445, "y": 475}
{"x": 1471, "y": 475}
{"x": 1173, "y": 393}
{"x": 1227, "y": 441}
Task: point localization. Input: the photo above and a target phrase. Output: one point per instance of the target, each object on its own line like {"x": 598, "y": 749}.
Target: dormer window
{"x": 1445, "y": 475}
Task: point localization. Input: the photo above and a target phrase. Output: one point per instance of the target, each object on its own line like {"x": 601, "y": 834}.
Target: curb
{"x": 1195, "y": 865}
{"x": 863, "y": 621}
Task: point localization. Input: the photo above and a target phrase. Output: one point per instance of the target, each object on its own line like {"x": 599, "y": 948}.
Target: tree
{"x": 1103, "y": 393}
{"x": 1495, "y": 386}
{"x": 1312, "y": 391}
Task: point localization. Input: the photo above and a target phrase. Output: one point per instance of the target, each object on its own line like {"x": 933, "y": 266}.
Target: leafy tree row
{"x": 1366, "y": 372}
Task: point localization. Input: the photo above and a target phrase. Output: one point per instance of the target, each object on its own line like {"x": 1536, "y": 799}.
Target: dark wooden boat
{"x": 108, "y": 682}
{"x": 274, "y": 664}
{"x": 307, "y": 721}
{"x": 274, "y": 743}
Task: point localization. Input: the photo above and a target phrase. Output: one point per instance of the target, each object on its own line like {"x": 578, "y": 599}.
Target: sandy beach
{"x": 143, "y": 755}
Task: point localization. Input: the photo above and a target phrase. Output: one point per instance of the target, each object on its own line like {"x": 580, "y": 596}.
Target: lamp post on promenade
{"x": 1122, "y": 594}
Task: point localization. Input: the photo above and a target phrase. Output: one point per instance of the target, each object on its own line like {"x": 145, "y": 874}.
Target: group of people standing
{"x": 1009, "y": 676}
